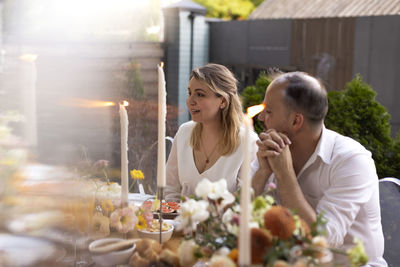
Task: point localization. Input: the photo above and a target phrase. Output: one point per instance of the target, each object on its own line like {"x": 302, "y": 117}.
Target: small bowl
{"x": 111, "y": 258}
{"x": 165, "y": 235}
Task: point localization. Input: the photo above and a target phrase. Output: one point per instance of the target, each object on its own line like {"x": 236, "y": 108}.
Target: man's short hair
{"x": 306, "y": 94}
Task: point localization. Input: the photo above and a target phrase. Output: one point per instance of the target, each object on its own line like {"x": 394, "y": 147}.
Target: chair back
{"x": 389, "y": 192}
{"x": 168, "y": 145}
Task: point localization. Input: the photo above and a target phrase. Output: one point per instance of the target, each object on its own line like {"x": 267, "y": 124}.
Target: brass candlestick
{"x": 161, "y": 197}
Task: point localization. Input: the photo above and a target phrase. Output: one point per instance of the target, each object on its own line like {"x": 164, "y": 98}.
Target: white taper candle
{"x": 124, "y": 153}
{"x": 244, "y": 234}
{"x": 162, "y": 111}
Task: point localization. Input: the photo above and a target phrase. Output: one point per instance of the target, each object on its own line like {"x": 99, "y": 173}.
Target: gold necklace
{"x": 212, "y": 152}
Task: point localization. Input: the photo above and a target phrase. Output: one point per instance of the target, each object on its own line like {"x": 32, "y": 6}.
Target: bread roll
{"x": 169, "y": 257}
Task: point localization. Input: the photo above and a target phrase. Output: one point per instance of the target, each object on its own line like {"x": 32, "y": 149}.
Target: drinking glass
{"x": 185, "y": 192}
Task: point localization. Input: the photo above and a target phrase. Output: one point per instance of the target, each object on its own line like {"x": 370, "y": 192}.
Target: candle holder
{"x": 160, "y": 192}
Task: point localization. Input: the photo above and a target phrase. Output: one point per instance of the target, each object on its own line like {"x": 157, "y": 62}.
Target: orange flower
{"x": 280, "y": 222}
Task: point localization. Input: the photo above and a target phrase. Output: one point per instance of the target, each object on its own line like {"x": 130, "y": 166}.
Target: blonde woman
{"x": 211, "y": 145}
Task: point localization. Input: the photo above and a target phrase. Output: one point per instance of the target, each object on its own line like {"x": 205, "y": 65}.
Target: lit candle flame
{"x": 125, "y": 103}
{"x": 28, "y": 57}
{"x": 86, "y": 103}
{"x": 254, "y": 110}
{"x": 162, "y": 64}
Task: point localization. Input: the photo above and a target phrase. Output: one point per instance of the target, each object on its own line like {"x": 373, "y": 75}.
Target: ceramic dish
{"x": 110, "y": 258}
{"x": 154, "y": 233}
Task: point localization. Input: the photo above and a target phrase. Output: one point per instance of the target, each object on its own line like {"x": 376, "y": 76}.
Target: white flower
{"x": 215, "y": 191}
{"x": 109, "y": 191}
{"x": 229, "y": 219}
{"x": 191, "y": 213}
{"x": 253, "y": 225}
{"x": 224, "y": 251}
{"x": 228, "y": 216}
{"x": 236, "y": 208}
{"x": 221, "y": 261}
{"x": 206, "y": 189}
{"x": 320, "y": 241}
{"x": 227, "y": 199}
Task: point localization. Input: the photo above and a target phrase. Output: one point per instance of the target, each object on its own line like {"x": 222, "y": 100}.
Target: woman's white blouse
{"x": 181, "y": 168}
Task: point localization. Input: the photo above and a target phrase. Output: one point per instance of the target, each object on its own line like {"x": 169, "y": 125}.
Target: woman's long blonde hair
{"x": 223, "y": 83}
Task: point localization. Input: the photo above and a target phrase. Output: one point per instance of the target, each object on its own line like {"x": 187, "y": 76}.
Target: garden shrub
{"x": 254, "y": 95}
{"x": 354, "y": 112}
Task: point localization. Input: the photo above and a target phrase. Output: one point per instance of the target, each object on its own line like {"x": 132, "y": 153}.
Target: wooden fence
{"x": 324, "y": 47}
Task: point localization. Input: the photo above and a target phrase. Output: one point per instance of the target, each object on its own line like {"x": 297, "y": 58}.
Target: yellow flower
{"x": 137, "y": 174}
{"x": 141, "y": 224}
{"x": 107, "y": 206}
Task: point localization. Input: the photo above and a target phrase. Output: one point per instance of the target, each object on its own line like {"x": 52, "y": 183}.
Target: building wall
{"x": 248, "y": 47}
{"x": 201, "y": 41}
{"x": 184, "y": 63}
{"x": 172, "y": 55}
{"x": 334, "y": 49}
{"x": 324, "y": 48}
{"x": 178, "y": 55}
{"x": 199, "y": 56}
{"x": 377, "y": 59}
{"x": 255, "y": 43}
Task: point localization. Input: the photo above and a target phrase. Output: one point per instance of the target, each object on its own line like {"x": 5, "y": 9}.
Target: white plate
{"x": 28, "y": 223}
{"x": 138, "y": 199}
{"x": 27, "y": 251}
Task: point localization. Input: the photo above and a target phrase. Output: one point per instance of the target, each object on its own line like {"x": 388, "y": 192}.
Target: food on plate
{"x": 144, "y": 244}
{"x": 138, "y": 261}
{"x": 169, "y": 257}
{"x": 155, "y": 226}
{"x": 166, "y": 207}
{"x": 150, "y": 253}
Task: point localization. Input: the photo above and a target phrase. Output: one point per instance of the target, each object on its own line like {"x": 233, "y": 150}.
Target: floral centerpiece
{"x": 210, "y": 222}
{"x": 110, "y": 216}
{"x": 107, "y": 213}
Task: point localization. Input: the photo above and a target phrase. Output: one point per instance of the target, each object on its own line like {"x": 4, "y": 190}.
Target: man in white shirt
{"x": 316, "y": 169}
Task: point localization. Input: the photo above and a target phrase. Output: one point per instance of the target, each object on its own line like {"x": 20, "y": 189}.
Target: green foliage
{"x": 357, "y": 254}
{"x": 319, "y": 226}
{"x": 354, "y": 112}
{"x": 254, "y": 95}
{"x": 228, "y": 9}
{"x": 256, "y": 3}
{"x": 396, "y": 156}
